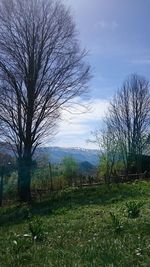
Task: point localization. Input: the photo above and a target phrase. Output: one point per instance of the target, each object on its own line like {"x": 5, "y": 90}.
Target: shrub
{"x": 36, "y": 228}
{"x": 133, "y": 209}
{"x": 117, "y": 225}
{"x": 21, "y": 243}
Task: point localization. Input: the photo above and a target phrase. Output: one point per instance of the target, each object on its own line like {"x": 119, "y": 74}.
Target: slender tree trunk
{"x": 1, "y": 186}
{"x": 24, "y": 179}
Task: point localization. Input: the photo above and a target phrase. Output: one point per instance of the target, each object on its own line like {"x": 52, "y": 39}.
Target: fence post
{"x": 50, "y": 175}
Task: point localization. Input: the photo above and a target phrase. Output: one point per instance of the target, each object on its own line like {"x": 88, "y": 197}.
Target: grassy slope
{"x": 77, "y": 230}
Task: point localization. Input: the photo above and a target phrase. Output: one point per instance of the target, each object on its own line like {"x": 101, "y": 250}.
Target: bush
{"x": 117, "y": 225}
{"x": 21, "y": 243}
{"x": 37, "y": 229}
{"x": 133, "y": 209}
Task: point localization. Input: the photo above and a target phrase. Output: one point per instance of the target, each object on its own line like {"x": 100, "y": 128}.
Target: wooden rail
{"x": 118, "y": 179}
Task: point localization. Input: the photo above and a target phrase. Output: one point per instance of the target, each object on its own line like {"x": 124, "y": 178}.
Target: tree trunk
{"x": 1, "y": 186}
{"x": 24, "y": 179}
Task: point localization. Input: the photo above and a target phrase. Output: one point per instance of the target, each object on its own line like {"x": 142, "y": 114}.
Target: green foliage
{"x": 109, "y": 169}
{"x": 19, "y": 250}
{"x": 116, "y": 223}
{"x": 70, "y": 169}
{"x": 133, "y": 209}
{"x": 40, "y": 178}
{"x": 20, "y": 243}
{"x": 10, "y": 185}
{"x": 37, "y": 229}
{"x": 81, "y": 234}
{"x": 103, "y": 166}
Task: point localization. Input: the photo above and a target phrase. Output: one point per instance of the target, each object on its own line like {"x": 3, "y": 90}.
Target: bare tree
{"x": 129, "y": 120}
{"x": 41, "y": 68}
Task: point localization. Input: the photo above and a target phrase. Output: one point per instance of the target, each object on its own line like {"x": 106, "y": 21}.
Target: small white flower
{"x": 15, "y": 242}
{"x": 138, "y": 251}
{"x": 26, "y": 235}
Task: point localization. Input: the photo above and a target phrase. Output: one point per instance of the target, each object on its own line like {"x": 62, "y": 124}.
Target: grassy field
{"x": 87, "y": 227}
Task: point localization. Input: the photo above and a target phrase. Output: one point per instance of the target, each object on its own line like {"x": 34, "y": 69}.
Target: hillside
{"x": 89, "y": 227}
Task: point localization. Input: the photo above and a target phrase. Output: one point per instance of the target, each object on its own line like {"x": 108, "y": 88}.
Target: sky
{"x": 116, "y": 34}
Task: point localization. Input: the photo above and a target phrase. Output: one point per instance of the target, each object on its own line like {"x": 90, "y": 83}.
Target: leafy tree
{"x": 70, "y": 169}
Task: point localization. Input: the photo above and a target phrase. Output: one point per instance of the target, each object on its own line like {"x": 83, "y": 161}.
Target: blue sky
{"x": 117, "y": 35}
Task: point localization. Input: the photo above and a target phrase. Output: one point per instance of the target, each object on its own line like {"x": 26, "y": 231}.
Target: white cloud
{"x": 78, "y": 122}
{"x": 78, "y": 116}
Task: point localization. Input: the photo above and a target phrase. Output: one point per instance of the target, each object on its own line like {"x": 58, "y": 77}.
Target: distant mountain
{"x": 56, "y": 154}
{"x": 85, "y": 167}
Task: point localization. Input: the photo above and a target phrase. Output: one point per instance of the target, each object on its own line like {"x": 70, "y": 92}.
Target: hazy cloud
{"x": 106, "y": 25}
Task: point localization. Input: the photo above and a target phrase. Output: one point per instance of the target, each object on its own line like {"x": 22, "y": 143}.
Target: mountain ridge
{"x": 55, "y": 154}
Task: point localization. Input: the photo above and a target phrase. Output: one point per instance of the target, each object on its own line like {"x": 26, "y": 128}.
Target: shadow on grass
{"x": 70, "y": 199}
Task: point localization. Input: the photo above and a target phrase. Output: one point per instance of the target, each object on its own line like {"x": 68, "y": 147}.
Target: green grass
{"x": 82, "y": 227}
